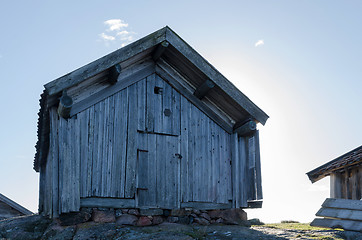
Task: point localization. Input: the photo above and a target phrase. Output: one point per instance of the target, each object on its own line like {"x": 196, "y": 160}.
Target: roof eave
{"x": 210, "y": 71}
{"x": 105, "y": 62}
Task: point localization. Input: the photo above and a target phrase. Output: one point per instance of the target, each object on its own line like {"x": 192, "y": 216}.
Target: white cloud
{"x": 117, "y": 32}
{"x": 115, "y": 24}
{"x": 259, "y": 43}
{"x": 107, "y": 37}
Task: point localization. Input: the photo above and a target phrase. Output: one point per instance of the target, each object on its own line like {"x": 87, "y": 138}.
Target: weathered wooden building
{"x": 345, "y": 175}
{"x": 344, "y": 208}
{"x": 151, "y": 125}
{"x": 9, "y": 208}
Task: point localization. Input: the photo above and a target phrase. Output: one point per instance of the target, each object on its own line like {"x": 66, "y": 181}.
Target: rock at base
{"x": 103, "y": 216}
{"x": 74, "y": 218}
{"x": 127, "y": 219}
{"x": 157, "y": 220}
{"x": 172, "y": 219}
{"x": 201, "y": 221}
{"x": 144, "y": 221}
{"x": 229, "y": 216}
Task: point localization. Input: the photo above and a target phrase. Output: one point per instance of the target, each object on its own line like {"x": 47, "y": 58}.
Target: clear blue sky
{"x": 300, "y": 61}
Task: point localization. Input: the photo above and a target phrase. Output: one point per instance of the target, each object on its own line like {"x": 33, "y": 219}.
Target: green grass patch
{"x": 294, "y": 226}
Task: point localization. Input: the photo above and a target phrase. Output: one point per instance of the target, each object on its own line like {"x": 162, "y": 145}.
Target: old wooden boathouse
{"x": 345, "y": 175}
{"x": 343, "y": 209}
{"x": 151, "y": 125}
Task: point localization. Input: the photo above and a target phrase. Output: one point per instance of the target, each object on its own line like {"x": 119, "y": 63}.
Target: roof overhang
{"x": 346, "y": 161}
{"x": 14, "y": 205}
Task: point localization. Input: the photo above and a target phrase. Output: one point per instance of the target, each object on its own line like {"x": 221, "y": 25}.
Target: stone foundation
{"x": 147, "y": 217}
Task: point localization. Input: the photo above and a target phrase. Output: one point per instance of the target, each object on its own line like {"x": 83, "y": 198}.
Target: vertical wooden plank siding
{"x": 235, "y": 170}
{"x": 76, "y": 166}
{"x": 90, "y": 153}
{"x": 184, "y": 142}
{"x": 154, "y": 146}
{"x": 54, "y": 147}
{"x": 346, "y": 184}
{"x": 48, "y": 201}
{"x": 206, "y": 155}
{"x": 243, "y": 180}
{"x": 131, "y": 143}
{"x": 259, "y": 192}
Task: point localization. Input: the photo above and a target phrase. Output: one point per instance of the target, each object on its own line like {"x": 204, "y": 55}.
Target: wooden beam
{"x": 206, "y": 205}
{"x": 107, "y": 202}
{"x": 170, "y": 77}
{"x": 202, "y": 90}
{"x": 65, "y": 105}
{"x": 342, "y": 203}
{"x": 196, "y": 59}
{"x": 337, "y": 223}
{"x": 114, "y": 73}
{"x": 340, "y": 213}
{"x": 246, "y": 129}
{"x": 136, "y": 75}
{"x": 161, "y": 48}
{"x": 106, "y": 62}
{"x": 255, "y": 204}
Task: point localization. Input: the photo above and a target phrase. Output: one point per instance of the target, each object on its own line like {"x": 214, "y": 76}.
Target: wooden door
{"x": 163, "y": 107}
{"x": 158, "y": 172}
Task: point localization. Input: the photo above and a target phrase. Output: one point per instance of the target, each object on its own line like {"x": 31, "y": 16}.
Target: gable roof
{"x": 14, "y": 205}
{"x": 350, "y": 159}
{"x": 178, "y": 60}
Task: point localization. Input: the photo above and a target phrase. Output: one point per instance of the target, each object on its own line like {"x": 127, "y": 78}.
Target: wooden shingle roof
{"x": 350, "y": 159}
{"x": 190, "y": 66}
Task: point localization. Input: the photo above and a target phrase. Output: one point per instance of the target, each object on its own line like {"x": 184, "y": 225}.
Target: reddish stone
{"x": 103, "y": 216}
{"x": 144, "y": 221}
{"x": 127, "y": 219}
{"x": 157, "y": 220}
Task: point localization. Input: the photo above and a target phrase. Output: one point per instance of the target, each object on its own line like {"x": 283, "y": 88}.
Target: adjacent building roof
{"x": 348, "y": 160}
{"x": 14, "y": 205}
{"x": 191, "y": 67}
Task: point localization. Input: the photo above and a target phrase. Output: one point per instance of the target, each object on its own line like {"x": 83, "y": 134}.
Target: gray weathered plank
{"x": 337, "y": 223}
{"x": 235, "y": 170}
{"x": 206, "y": 205}
{"x": 89, "y": 173}
{"x": 259, "y": 192}
{"x": 185, "y": 116}
{"x": 340, "y": 213}
{"x": 243, "y": 180}
{"x": 107, "y": 202}
{"x": 55, "y": 163}
{"x": 130, "y": 186}
{"x": 76, "y": 165}
{"x": 342, "y": 203}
